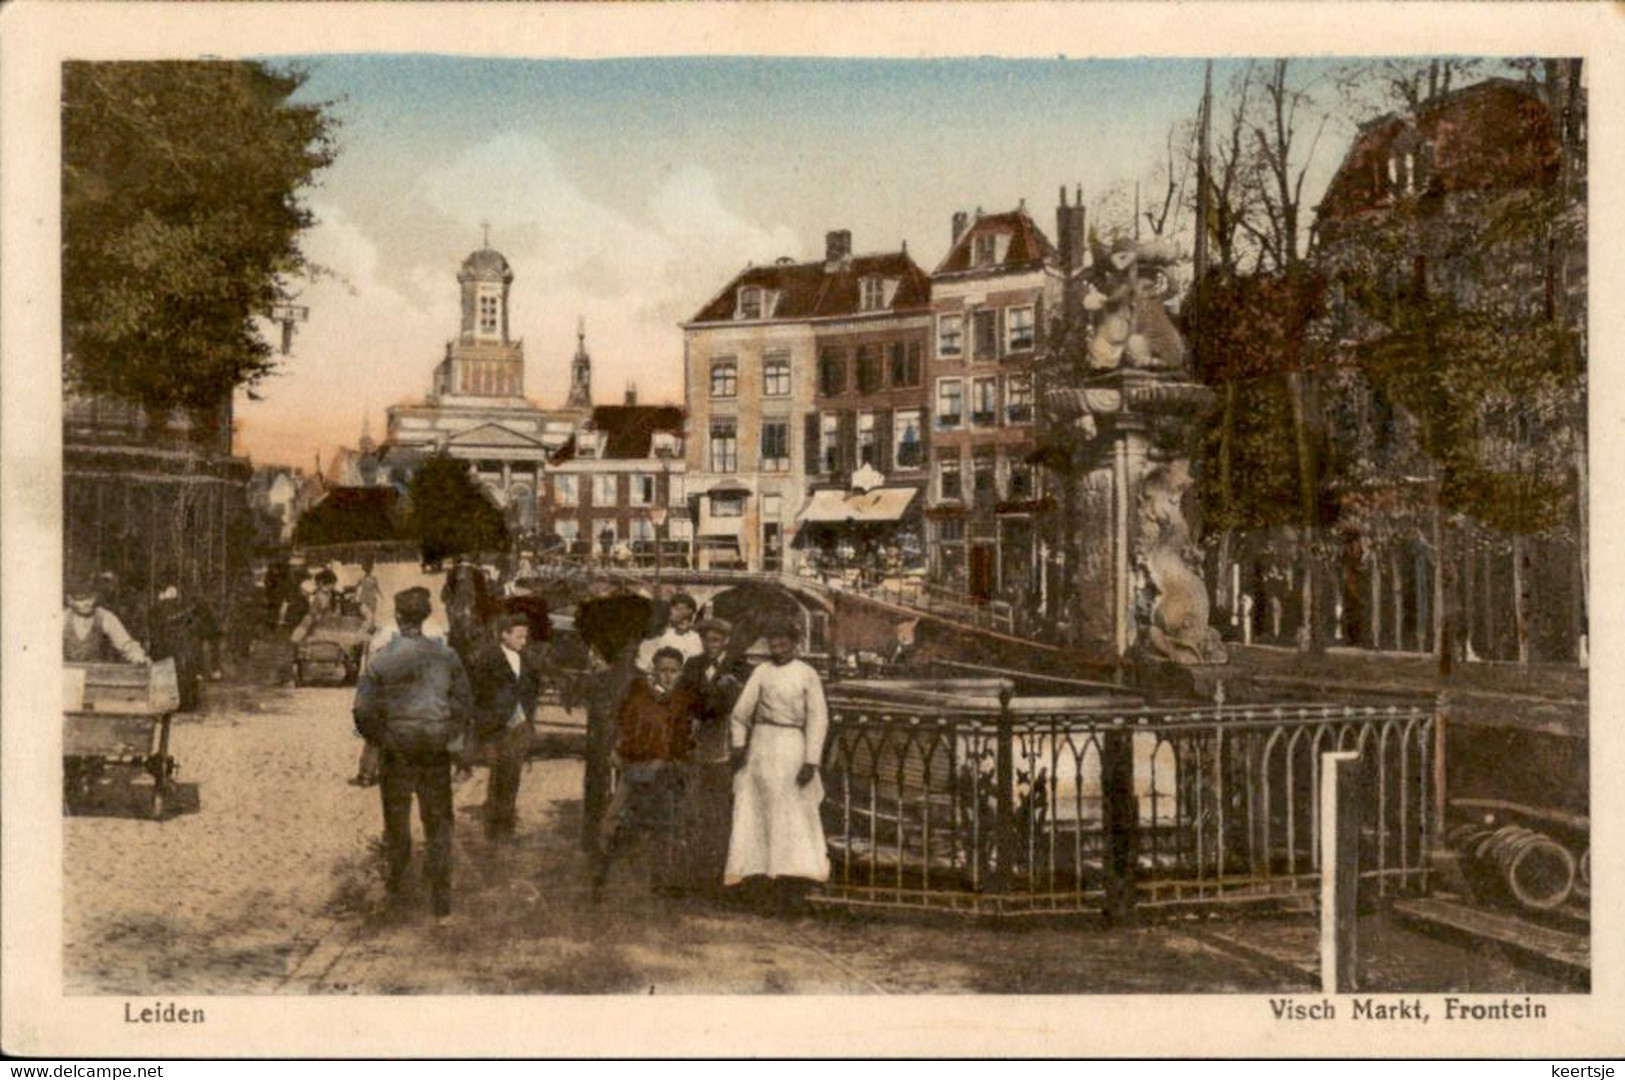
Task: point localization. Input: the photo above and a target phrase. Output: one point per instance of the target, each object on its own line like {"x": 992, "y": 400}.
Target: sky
{"x": 627, "y": 193}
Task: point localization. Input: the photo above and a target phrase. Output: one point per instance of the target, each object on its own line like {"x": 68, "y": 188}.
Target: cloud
{"x": 633, "y": 271}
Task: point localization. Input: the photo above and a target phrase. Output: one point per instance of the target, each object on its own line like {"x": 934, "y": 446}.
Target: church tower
{"x": 580, "y": 371}
{"x": 483, "y": 365}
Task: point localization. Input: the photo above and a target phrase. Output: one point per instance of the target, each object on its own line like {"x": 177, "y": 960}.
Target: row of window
{"x": 755, "y": 302}
{"x": 987, "y": 342}
{"x": 990, "y": 477}
{"x": 641, "y": 490}
{"x": 904, "y": 440}
{"x": 901, "y": 434}
{"x": 640, "y": 529}
{"x": 984, "y": 405}
{"x": 872, "y": 368}
{"x": 775, "y": 376}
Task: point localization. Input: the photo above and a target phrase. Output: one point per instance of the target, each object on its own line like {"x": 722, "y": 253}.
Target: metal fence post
{"x": 1120, "y": 812}
{"x": 1005, "y": 842}
{"x": 1339, "y": 870}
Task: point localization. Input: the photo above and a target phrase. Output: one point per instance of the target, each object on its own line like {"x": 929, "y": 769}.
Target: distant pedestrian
{"x": 652, "y": 743}
{"x": 177, "y": 635}
{"x": 369, "y": 594}
{"x": 506, "y": 677}
{"x": 411, "y": 703}
{"x": 777, "y": 733}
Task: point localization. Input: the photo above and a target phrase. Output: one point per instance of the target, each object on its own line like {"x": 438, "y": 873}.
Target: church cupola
{"x": 484, "y": 361}
{"x": 485, "y": 278}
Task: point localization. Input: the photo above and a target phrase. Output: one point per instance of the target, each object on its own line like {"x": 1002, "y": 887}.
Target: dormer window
{"x": 984, "y": 250}
{"x": 876, "y": 293}
{"x": 751, "y": 302}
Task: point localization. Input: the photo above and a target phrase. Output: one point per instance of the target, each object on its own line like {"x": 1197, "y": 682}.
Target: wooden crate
{"x": 121, "y": 689}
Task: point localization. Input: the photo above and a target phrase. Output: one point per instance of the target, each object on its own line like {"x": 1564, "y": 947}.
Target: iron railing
{"x": 1021, "y": 810}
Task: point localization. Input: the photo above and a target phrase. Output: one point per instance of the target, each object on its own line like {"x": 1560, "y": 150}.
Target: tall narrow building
{"x": 580, "y": 372}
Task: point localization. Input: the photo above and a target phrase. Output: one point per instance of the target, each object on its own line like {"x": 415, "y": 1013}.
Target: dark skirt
{"x": 707, "y": 820}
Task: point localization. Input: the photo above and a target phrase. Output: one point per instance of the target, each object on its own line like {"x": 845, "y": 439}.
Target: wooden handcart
{"x": 333, "y": 653}
{"x": 115, "y": 735}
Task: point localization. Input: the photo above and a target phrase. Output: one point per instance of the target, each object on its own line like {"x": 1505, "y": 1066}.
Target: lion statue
{"x": 1177, "y": 626}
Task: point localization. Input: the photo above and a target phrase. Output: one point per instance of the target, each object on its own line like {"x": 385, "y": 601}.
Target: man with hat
{"x": 93, "y": 635}
{"x": 777, "y": 730}
{"x": 412, "y": 702}
{"x": 713, "y": 680}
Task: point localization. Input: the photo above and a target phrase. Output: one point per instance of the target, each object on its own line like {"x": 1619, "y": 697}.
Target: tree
{"x": 181, "y": 223}
{"x": 1405, "y": 83}
{"x": 451, "y": 514}
{"x": 1464, "y": 319}
{"x": 1280, "y": 166}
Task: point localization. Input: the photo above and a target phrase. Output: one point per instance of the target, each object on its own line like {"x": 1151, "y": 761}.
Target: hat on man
{"x": 83, "y": 587}
{"x": 412, "y": 605}
{"x": 714, "y": 625}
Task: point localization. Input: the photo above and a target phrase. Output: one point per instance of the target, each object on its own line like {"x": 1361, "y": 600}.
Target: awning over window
{"x": 839, "y": 507}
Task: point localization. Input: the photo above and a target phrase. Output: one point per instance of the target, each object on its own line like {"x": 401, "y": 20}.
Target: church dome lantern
{"x": 485, "y": 278}
{"x": 486, "y": 264}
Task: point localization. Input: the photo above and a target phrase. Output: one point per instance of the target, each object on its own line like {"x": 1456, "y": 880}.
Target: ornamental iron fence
{"x": 1014, "y": 806}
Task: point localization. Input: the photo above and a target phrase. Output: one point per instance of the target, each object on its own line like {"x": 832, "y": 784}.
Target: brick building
{"x": 870, "y": 419}
{"x": 991, "y": 299}
{"x": 618, "y": 485}
{"x": 751, "y": 381}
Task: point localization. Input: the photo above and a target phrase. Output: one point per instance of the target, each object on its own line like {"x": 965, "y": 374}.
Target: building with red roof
{"x": 992, "y": 297}
{"x": 751, "y": 358}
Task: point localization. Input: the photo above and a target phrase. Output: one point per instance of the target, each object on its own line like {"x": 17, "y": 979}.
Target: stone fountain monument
{"x": 1135, "y": 412}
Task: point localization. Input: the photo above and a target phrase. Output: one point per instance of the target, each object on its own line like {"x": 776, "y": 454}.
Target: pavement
{"x": 274, "y": 886}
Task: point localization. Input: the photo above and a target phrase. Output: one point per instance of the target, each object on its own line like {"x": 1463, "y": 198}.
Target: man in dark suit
{"x": 713, "y": 680}
{"x": 506, "y": 677}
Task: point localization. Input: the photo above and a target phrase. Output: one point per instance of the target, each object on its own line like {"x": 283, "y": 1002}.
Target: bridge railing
{"x": 903, "y": 591}
{"x": 1100, "y": 809}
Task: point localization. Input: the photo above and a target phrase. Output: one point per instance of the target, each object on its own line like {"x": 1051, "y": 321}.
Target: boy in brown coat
{"x": 653, "y": 738}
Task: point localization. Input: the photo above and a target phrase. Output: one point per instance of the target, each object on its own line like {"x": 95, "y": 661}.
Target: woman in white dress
{"x": 777, "y": 733}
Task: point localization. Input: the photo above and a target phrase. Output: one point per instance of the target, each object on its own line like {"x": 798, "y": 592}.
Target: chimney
{"x": 961, "y": 223}
{"x": 631, "y": 393}
{"x": 837, "y": 249}
{"x": 1070, "y": 235}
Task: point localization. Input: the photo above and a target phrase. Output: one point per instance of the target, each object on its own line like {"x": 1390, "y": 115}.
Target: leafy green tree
{"x": 1454, "y": 311}
{"x": 181, "y": 223}
{"x": 450, "y": 513}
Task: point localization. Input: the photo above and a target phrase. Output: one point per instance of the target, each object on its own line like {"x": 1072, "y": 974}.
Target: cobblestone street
{"x": 274, "y": 888}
